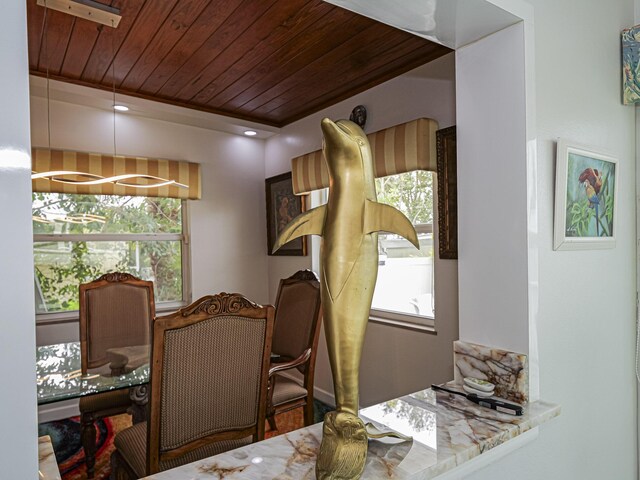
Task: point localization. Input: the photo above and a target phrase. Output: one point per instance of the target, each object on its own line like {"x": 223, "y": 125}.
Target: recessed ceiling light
{"x": 250, "y": 133}
{"x": 121, "y": 108}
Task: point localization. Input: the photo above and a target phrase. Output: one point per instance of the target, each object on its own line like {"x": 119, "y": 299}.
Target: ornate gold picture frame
{"x": 282, "y": 207}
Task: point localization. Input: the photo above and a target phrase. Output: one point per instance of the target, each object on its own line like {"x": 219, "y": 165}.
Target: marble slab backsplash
{"x": 508, "y": 371}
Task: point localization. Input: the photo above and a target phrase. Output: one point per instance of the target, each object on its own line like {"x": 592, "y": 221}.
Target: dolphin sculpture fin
{"x": 308, "y": 223}
{"x": 380, "y": 217}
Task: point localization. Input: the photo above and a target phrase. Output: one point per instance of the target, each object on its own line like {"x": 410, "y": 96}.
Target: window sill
{"x": 402, "y": 324}
{"x": 73, "y": 317}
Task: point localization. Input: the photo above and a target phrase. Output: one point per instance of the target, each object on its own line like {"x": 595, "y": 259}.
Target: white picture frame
{"x": 586, "y": 199}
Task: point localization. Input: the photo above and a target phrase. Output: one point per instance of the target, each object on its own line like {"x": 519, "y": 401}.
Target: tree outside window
{"x": 77, "y": 238}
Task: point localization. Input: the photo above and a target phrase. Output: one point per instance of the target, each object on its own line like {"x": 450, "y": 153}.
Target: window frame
{"x": 408, "y": 320}
{"x": 388, "y": 317}
{"x": 161, "y": 307}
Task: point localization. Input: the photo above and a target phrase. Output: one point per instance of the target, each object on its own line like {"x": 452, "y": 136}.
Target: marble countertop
{"x": 447, "y": 431}
{"x": 47, "y": 465}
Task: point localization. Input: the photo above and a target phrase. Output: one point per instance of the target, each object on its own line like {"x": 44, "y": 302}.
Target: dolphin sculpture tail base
{"x": 343, "y": 451}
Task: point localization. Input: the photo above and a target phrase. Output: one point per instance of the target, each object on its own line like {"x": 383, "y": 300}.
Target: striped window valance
{"x": 62, "y": 171}
{"x": 404, "y": 148}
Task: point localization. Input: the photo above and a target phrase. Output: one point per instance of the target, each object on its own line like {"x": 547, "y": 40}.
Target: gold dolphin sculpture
{"x": 348, "y": 224}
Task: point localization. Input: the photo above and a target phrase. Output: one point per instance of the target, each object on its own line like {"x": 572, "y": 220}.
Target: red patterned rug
{"x": 65, "y": 436}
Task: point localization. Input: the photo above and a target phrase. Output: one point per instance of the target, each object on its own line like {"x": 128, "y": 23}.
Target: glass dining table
{"x": 59, "y": 376}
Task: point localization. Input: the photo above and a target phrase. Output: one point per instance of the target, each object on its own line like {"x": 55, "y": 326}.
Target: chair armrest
{"x": 301, "y": 360}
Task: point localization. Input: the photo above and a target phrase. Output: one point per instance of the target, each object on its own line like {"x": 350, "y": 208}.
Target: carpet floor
{"x": 65, "y": 436}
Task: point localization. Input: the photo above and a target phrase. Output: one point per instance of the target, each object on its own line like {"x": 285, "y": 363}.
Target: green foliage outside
{"x": 60, "y": 266}
{"x": 412, "y": 194}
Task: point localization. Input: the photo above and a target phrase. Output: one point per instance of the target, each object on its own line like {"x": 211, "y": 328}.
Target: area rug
{"x": 65, "y": 436}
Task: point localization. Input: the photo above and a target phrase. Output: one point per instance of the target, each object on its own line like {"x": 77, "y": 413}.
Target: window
{"x": 404, "y": 290}
{"x": 77, "y": 238}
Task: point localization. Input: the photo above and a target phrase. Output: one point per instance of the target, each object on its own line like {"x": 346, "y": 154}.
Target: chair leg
{"x": 113, "y": 461}
{"x": 272, "y": 422}
{"x": 308, "y": 413}
{"x": 118, "y": 469}
{"x": 88, "y": 438}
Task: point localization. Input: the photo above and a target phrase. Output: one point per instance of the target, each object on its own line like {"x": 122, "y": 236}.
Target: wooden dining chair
{"x": 116, "y": 310}
{"x": 209, "y": 375}
{"x": 295, "y": 345}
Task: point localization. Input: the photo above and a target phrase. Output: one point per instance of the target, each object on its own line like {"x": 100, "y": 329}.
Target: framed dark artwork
{"x": 282, "y": 207}
{"x": 447, "y": 173}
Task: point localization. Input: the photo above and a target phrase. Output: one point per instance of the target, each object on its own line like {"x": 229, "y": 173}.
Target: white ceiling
{"x": 92, "y": 97}
{"x": 453, "y": 23}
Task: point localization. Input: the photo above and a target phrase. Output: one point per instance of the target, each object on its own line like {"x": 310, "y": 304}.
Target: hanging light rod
{"x": 87, "y": 9}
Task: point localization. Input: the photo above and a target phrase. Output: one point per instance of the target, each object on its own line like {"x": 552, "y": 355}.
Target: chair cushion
{"x": 132, "y": 445}
{"x": 105, "y": 401}
{"x": 287, "y": 390}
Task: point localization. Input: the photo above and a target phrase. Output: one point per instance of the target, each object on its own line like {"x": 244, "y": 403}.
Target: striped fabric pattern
{"x": 403, "y": 148}
{"x": 309, "y": 172}
{"x": 47, "y": 160}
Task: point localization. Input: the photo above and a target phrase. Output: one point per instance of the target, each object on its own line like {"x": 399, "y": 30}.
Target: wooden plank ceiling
{"x": 267, "y": 61}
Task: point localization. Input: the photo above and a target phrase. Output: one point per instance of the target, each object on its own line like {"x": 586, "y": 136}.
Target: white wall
{"x": 228, "y": 247}
{"x": 18, "y": 443}
{"x": 585, "y": 323}
{"x": 492, "y": 209}
{"x": 395, "y": 361}
{"x": 637, "y": 163}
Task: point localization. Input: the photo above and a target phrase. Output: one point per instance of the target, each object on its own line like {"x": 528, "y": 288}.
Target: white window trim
{"x": 404, "y": 320}
{"x": 105, "y": 237}
{"x": 71, "y": 316}
{"x": 161, "y": 307}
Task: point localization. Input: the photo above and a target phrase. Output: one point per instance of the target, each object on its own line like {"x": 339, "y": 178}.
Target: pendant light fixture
{"x": 107, "y": 16}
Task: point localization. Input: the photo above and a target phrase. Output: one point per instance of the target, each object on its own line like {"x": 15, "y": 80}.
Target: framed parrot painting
{"x": 585, "y": 206}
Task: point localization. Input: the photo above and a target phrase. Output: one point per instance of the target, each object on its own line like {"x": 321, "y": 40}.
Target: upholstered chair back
{"x": 297, "y": 314}
{"x": 116, "y": 310}
{"x": 209, "y": 376}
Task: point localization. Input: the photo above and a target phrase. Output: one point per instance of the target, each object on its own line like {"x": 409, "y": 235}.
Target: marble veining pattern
{"x": 47, "y": 465}
{"x": 508, "y": 371}
{"x": 447, "y": 431}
